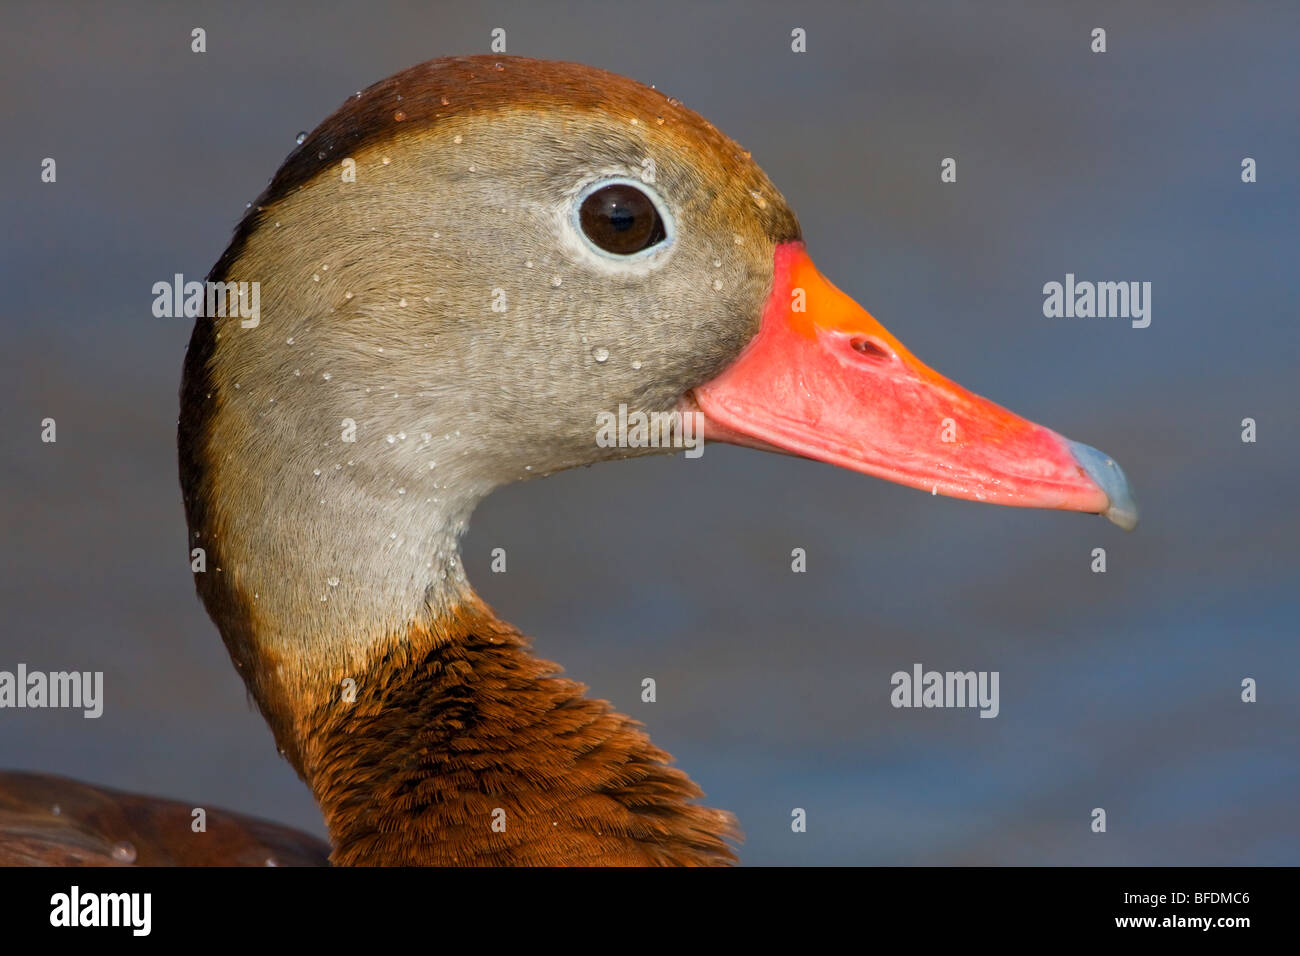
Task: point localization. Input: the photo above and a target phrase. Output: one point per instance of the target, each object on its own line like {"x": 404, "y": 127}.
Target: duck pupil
{"x": 621, "y": 219}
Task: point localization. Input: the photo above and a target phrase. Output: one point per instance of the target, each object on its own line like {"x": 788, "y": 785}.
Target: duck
{"x": 463, "y": 271}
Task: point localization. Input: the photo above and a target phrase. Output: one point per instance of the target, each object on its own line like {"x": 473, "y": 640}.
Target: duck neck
{"x": 439, "y": 739}
{"x": 422, "y": 724}
{"x": 457, "y": 746}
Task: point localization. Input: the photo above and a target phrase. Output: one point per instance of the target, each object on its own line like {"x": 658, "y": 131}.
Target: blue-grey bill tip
{"x": 1109, "y": 476}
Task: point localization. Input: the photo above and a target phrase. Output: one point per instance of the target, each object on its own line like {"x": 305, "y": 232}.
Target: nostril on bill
{"x": 870, "y": 348}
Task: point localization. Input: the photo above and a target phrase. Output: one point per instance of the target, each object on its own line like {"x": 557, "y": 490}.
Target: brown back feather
{"x": 53, "y": 821}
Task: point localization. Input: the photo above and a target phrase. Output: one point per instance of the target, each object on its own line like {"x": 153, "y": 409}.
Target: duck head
{"x": 463, "y": 272}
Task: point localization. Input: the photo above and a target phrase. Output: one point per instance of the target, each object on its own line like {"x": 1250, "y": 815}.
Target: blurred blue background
{"x": 1118, "y": 690}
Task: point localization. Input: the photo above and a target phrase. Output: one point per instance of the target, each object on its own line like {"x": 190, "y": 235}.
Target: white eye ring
{"x": 651, "y": 254}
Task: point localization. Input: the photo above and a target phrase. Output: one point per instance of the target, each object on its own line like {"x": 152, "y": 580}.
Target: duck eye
{"x": 621, "y": 219}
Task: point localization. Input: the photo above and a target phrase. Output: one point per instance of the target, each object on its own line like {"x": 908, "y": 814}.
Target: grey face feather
{"x": 441, "y": 312}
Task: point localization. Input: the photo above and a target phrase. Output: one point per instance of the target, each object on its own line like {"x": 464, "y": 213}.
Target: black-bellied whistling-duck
{"x": 522, "y": 247}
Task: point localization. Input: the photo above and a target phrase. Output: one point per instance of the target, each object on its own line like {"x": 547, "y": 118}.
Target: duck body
{"x": 461, "y": 270}
{"x": 53, "y": 821}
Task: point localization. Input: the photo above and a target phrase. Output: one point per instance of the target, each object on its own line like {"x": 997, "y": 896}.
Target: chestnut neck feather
{"x": 463, "y": 748}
